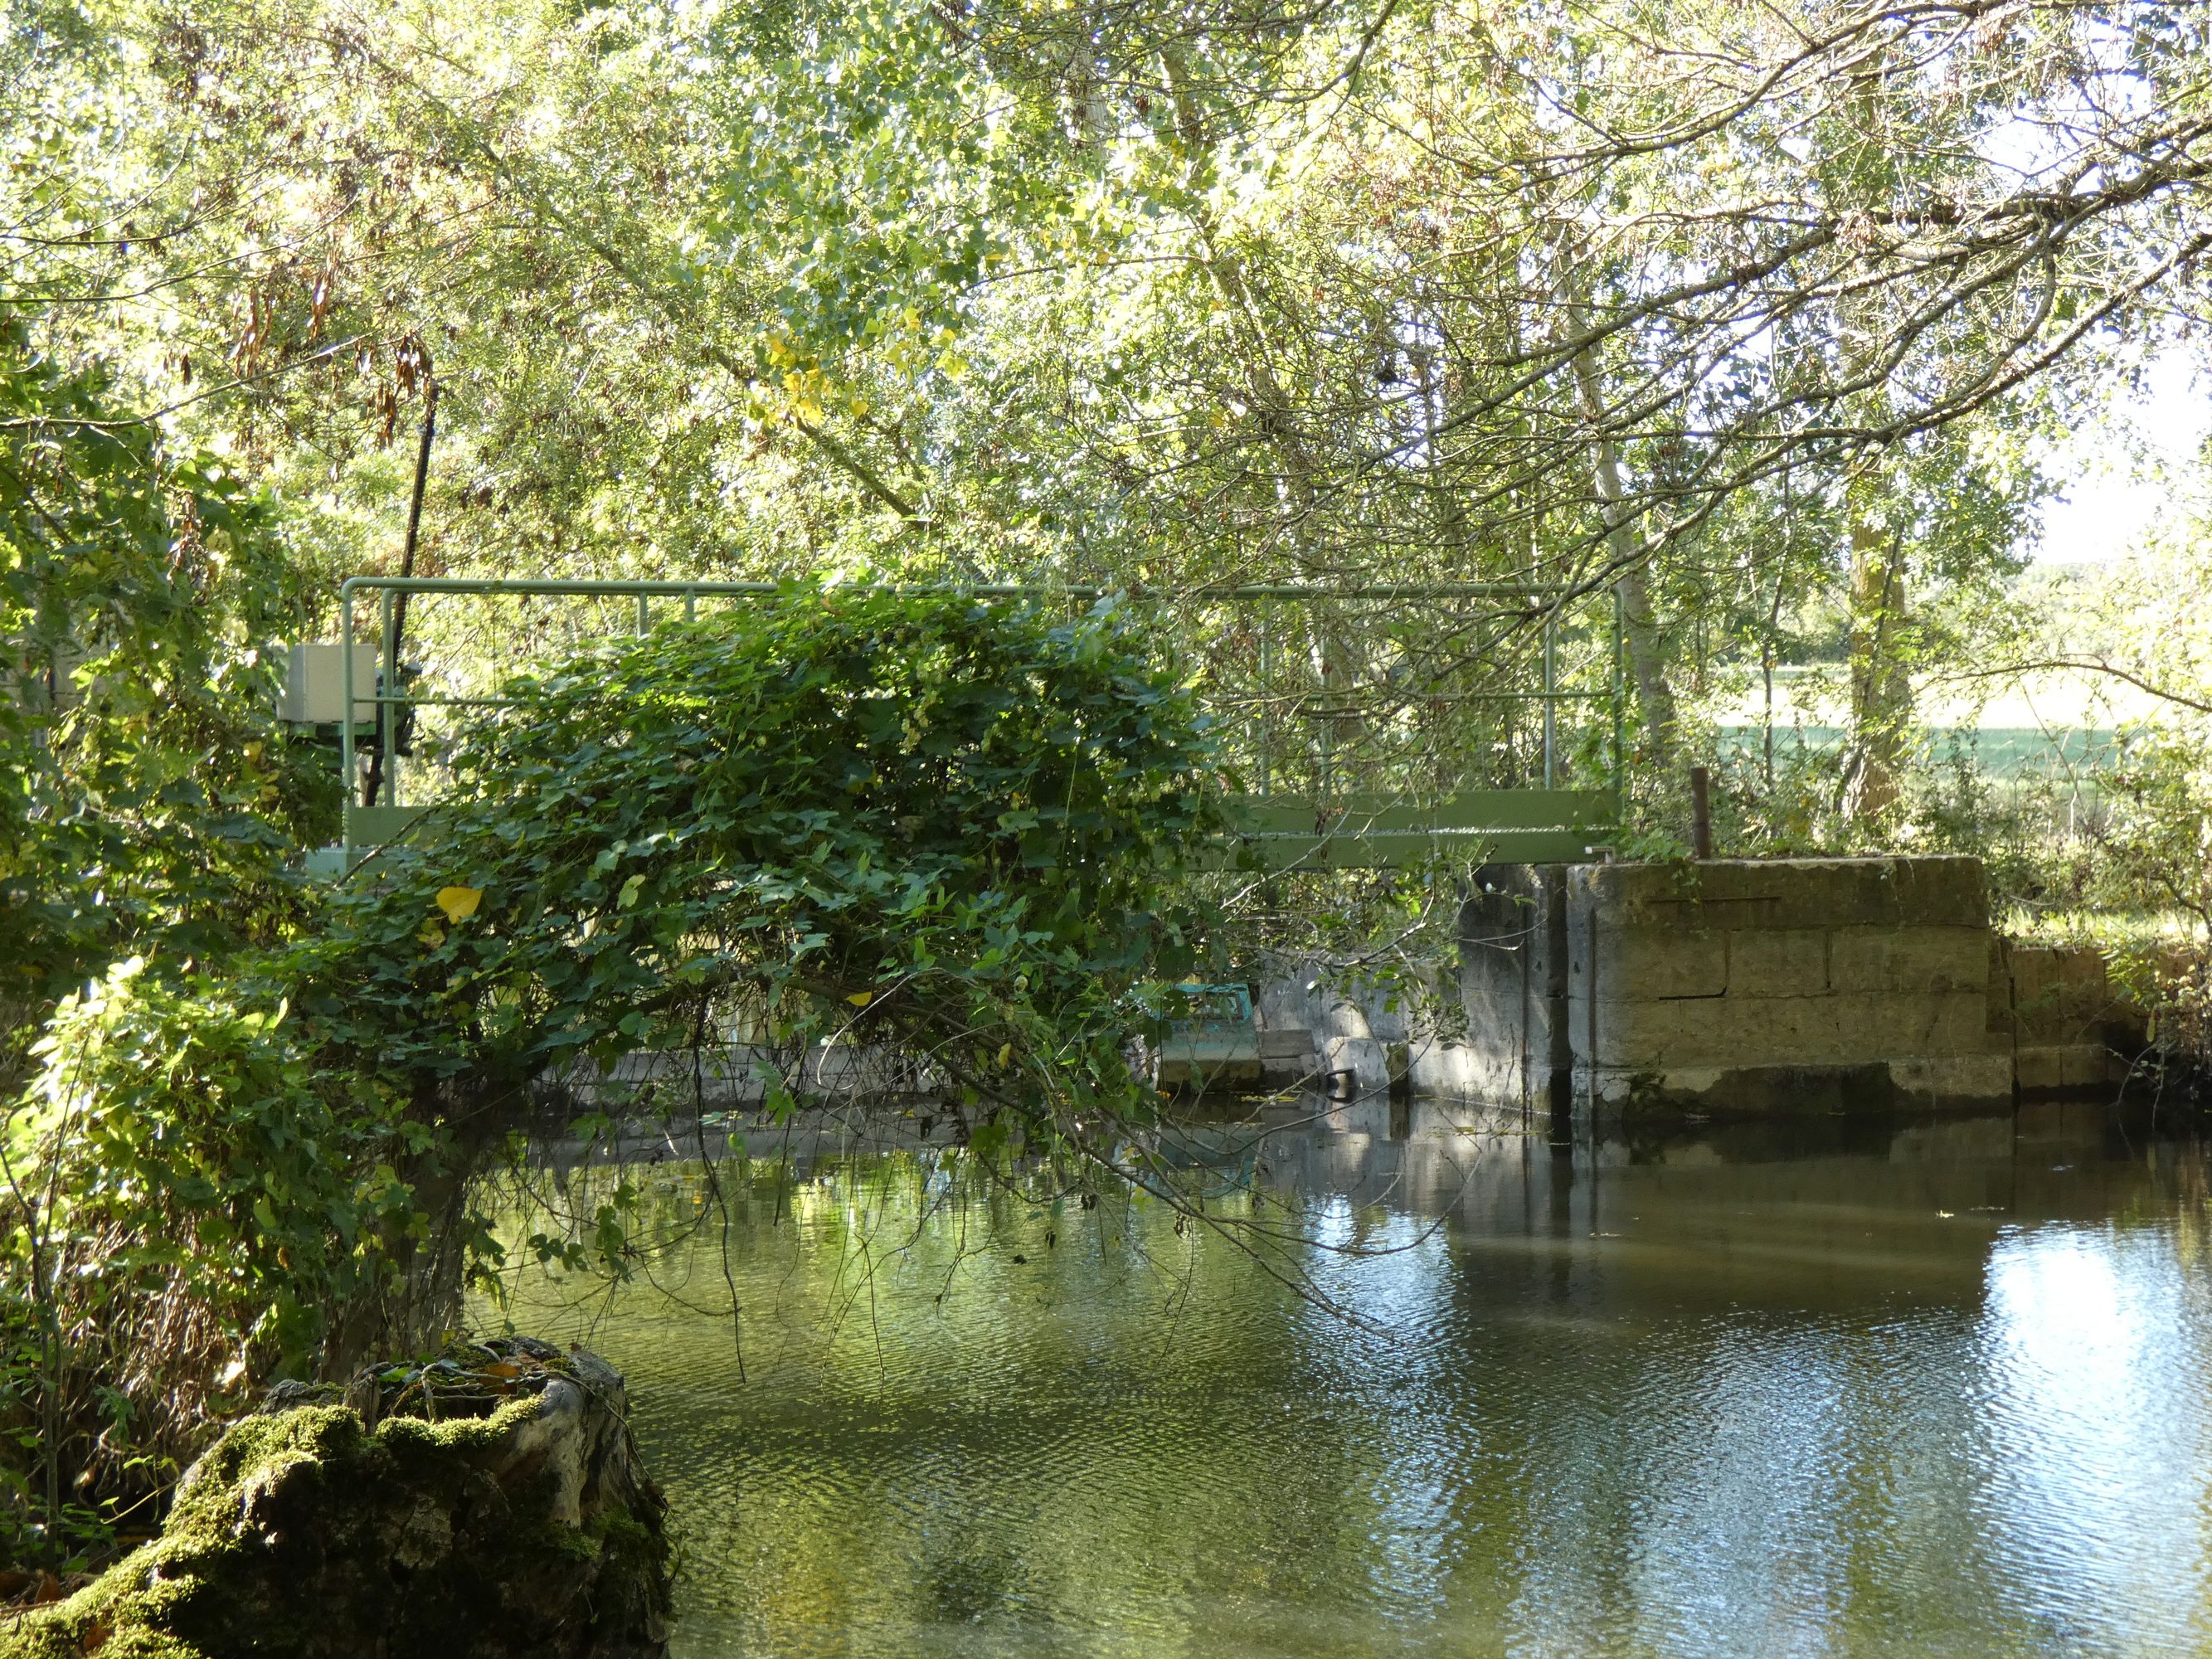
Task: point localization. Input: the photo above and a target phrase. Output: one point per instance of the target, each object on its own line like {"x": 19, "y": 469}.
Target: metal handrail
{"x": 389, "y": 695}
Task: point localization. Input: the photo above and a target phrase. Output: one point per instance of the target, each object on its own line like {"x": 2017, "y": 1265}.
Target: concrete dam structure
{"x": 1613, "y": 995}
{"x": 1656, "y": 992}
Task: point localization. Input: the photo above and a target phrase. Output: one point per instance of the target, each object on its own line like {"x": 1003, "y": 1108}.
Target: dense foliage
{"x": 834, "y": 815}
{"x": 830, "y": 819}
{"x": 144, "y": 798}
{"x": 1749, "y": 322}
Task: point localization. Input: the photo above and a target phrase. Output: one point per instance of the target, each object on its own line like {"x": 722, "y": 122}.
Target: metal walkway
{"x": 1428, "y": 748}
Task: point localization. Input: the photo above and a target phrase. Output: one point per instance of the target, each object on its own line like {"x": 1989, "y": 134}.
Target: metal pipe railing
{"x": 1545, "y": 600}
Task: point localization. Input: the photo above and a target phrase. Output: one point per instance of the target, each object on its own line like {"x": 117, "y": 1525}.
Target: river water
{"x": 1916, "y": 1389}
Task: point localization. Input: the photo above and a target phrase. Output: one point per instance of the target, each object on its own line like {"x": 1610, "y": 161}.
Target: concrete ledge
{"x": 1970, "y": 1083}
{"x": 1770, "y": 894}
{"x": 1629, "y": 1096}
{"x": 1954, "y": 1082}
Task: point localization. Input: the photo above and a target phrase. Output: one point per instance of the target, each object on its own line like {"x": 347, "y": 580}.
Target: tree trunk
{"x": 1646, "y": 664}
{"x": 1881, "y": 689}
{"x": 1881, "y": 692}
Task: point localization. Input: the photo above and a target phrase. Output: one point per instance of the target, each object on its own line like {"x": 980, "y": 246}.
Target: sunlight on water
{"x": 1939, "y": 1390}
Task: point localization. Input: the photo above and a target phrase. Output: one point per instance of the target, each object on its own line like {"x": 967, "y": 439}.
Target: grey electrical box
{"x": 314, "y": 685}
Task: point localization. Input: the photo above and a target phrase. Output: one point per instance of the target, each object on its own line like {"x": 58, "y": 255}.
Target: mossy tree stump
{"x": 507, "y": 1514}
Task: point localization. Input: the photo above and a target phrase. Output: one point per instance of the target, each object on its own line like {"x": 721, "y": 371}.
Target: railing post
{"x": 387, "y": 687}
{"x": 347, "y": 766}
{"x": 1267, "y": 667}
{"x": 644, "y": 617}
{"x": 1551, "y": 705}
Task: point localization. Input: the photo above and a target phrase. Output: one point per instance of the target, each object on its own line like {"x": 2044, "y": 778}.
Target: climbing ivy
{"x": 948, "y": 827}
{"x": 146, "y": 797}
{"x": 849, "y": 816}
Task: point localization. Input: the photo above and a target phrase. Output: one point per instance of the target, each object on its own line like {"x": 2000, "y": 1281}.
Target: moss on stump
{"x": 525, "y": 1527}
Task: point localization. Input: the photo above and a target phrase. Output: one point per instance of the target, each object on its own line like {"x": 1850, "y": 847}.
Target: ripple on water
{"x": 1830, "y": 1405}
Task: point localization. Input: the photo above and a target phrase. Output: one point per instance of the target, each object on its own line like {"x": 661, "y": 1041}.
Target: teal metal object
{"x": 379, "y": 824}
{"x": 1218, "y": 1041}
{"x": 1330, "y": 829}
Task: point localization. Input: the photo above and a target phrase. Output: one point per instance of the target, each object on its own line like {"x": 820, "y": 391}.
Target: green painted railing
{"x": 1502, "y": 826}
{"x": 1280, "y": 831}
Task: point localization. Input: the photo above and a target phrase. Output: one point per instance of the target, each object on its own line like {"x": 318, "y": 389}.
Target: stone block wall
{"x": 1725, "y": 988}
{"x": 2055, "y": 1007}
{"x": 1782, "y": 985}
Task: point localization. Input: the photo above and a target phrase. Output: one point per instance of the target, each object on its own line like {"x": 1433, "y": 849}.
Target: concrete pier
{"x": 1626, "y": 993}
{"x": 1783, "y": 985}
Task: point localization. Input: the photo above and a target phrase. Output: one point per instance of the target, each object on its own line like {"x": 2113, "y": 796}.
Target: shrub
{"x": 919, "y": 821}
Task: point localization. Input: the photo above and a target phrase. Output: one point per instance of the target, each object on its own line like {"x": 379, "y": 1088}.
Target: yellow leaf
{"x": 459, "y": 903}
{"x": 432, "y": 935}
{"x": 1006, "y": 1053}
{"x": 861, "y": 999}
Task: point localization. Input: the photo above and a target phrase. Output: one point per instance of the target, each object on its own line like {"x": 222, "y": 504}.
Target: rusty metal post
{"x": 395, "y": 617}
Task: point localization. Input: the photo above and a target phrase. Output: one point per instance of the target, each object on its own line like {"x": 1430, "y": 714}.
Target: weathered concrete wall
{"x": 1503, "y": 983}
{"x": 1782, "y": 986}
{"x": 1494, "y": 1037}
{"x": 2069, "y": 1030}
{"x": 1359, "y": 1032}
{"x": 1650, "y": 992}
{"x": 1513, "y": 987}
{"x": 1721, "y": 987}
{"x": 1356, "y": 1029}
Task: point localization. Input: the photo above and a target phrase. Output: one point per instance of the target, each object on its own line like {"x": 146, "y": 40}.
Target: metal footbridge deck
{"x": 1465, "y": 721}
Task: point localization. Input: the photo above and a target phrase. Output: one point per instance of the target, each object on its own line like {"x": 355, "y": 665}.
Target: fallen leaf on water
{"x": 459, "y": 903}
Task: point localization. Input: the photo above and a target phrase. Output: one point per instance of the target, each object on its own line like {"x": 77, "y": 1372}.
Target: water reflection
{"x": 1916, "y": 1389}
